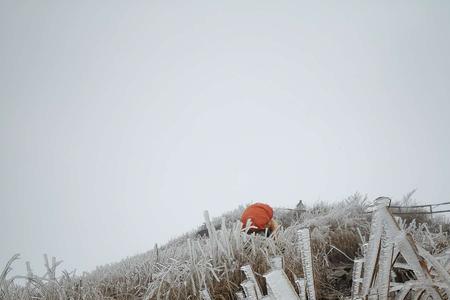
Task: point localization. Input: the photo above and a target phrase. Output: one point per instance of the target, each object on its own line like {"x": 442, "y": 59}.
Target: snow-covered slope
{"x": 190, "y": 263}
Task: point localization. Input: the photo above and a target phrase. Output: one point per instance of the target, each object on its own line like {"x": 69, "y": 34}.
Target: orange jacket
{"x": 260, "y": 215}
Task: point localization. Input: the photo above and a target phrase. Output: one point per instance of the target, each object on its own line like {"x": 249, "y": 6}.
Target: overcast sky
{"x": 122, "y": 121}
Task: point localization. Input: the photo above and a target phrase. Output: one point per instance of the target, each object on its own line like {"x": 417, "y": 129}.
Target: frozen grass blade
{"x": 306, "y": 255}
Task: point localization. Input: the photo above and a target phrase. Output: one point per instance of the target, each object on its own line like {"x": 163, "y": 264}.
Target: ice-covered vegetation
{"x": 186, "y": 265}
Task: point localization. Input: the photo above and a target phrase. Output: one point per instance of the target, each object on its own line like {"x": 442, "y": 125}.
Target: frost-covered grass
{"x": 179, "y": 269}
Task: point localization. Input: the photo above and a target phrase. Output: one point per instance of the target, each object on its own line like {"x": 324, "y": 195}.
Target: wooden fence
{"x": 425, "y": 209}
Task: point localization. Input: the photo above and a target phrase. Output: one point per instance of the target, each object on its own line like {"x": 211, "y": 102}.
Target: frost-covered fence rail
{"x": 418, "y": 209}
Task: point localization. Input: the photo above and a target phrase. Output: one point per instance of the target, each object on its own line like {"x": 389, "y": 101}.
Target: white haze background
{"x": 120, "y": 122}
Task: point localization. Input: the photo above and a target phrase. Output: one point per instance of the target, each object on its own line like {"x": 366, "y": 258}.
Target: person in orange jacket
{"x": 259, "y": 218}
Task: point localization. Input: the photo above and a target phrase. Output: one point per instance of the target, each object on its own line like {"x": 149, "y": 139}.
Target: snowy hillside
{"x": 193, "y": 262}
